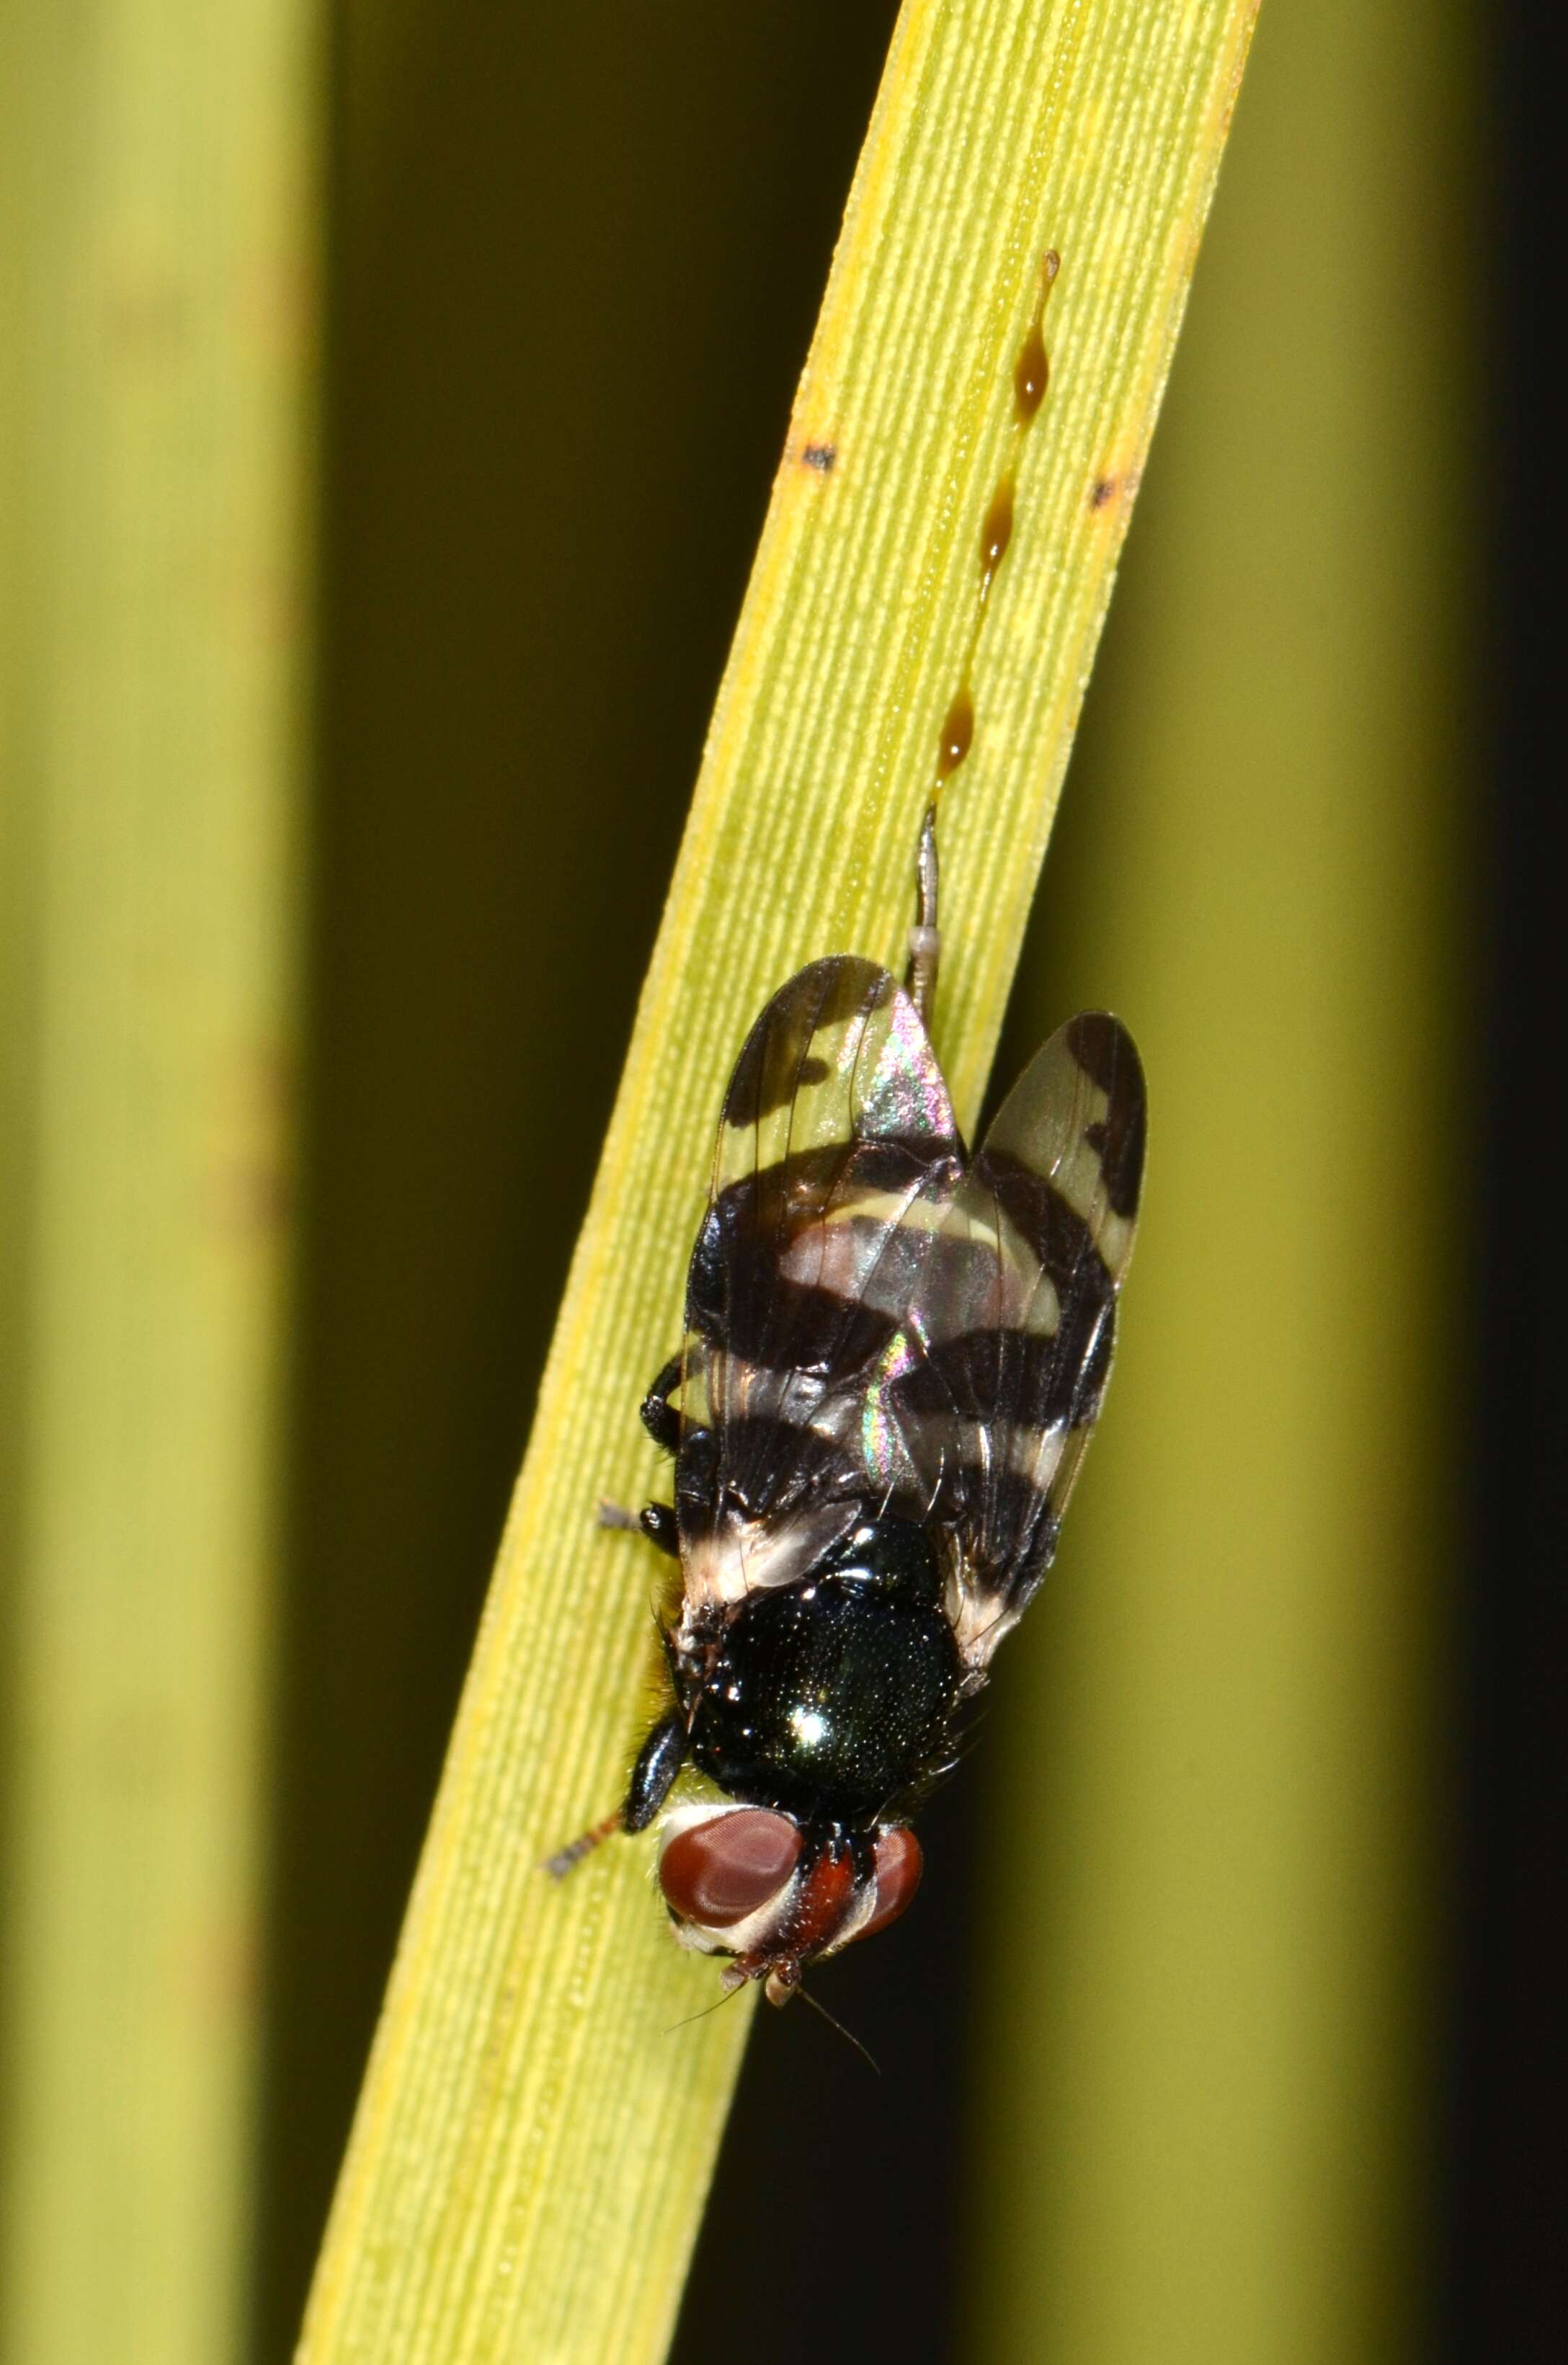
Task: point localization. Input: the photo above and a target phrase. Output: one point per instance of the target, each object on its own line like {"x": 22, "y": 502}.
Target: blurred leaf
{"x": 1214, "y": 1779}
{"x": 158, "y": 363}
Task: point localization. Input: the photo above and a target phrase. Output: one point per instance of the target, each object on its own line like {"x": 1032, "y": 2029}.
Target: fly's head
{"x": 775, "y": 1895}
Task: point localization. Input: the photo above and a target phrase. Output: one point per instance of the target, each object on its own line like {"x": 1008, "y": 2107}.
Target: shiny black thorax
{"x": 832, "y": 1700}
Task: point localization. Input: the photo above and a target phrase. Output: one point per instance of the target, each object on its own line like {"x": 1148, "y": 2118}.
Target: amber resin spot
{"x": 956, "y": 733}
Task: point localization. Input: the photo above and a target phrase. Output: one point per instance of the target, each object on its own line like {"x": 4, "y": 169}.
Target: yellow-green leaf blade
{"x": 533, "y": 2143}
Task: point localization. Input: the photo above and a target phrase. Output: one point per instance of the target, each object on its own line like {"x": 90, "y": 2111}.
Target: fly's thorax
{"x": 832, "y": 1700}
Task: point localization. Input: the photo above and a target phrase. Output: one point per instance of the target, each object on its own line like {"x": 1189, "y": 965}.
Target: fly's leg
{"x": 660, "y": 1418}
{"x": 924, "y": 937}
{"x": 659, "y": 1759}
{"x": 559, "y": 1865}
{"x": 658, "y": 1762}
{"x": 655, "y": 1520}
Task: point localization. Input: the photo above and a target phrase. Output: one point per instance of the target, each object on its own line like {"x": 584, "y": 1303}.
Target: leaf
{"x": 533, "y": 2143}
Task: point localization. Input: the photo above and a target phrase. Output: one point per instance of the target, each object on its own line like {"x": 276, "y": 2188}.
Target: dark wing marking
{"x": 836, "y": 1158}
{"x": 1014, "y": 1318}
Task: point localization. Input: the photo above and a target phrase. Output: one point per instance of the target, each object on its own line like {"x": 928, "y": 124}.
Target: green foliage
{"x": 156, "y": 365}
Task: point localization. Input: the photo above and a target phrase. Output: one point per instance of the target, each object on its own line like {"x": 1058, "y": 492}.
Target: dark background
{"x": 1508, "y": 2196}
{"x": 614, "y": 410}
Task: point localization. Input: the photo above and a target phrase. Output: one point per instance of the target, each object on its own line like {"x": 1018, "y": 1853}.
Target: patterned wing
{"x": 1014, "y": 1318}
{"x": 837, "y": 1159}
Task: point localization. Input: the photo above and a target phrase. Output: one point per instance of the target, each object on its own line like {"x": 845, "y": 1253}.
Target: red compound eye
{"x": 899, "y": 1865}
{"x": 718, "y": 1872}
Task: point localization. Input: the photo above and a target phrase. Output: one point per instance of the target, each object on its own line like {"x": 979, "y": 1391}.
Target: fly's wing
{"x": 837, "y": 1159}
{"x": 1015, "y": 1316}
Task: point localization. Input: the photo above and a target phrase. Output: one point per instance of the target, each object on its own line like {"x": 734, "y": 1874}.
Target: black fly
{"x": 894, "y": 1355}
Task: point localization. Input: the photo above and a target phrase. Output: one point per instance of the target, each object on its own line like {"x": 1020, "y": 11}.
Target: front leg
{"x": 658, "y": 1762}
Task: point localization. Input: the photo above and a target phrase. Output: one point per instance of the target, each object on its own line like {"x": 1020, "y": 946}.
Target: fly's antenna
{"x": 718, "y": 2001}
{"x": 823, "y": 2013}
{"x": 1031, "y": 375}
